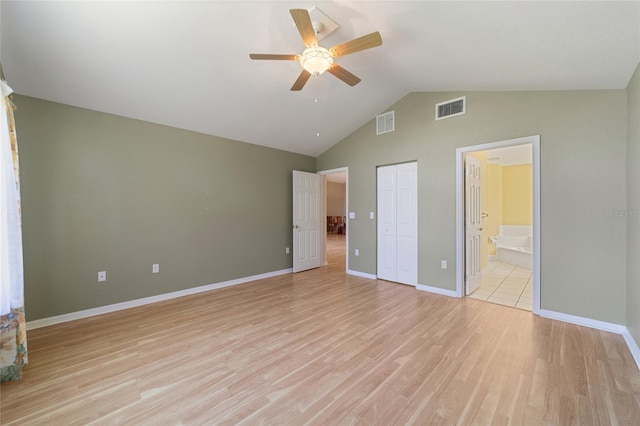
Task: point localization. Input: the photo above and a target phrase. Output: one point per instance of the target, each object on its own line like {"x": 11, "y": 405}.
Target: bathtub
{"x": 514, "y": 245}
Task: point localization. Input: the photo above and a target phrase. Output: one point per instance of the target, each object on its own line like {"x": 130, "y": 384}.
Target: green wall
{"x": 633, "y": 206}
{"x": 583, "y": 143}
{"x": 102, "y": 192}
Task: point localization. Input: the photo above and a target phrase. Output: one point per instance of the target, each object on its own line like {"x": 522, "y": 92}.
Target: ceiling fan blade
{"x": 274, "y": 57}
{"x": 344, "y": 75}
{"x": 361, "y": 43}
{"x": 305, "y": 27}
{"x": 301, "y": 81}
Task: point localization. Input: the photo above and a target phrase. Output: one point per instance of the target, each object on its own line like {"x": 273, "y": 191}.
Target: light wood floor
{"x": 322, "y": 347}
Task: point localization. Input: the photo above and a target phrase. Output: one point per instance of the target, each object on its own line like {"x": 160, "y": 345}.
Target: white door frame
{"x": 460, "y": 153}
{"x": 324, "y": 213}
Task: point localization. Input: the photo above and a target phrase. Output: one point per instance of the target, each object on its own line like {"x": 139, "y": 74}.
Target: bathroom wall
{"x": 517, "y": 195}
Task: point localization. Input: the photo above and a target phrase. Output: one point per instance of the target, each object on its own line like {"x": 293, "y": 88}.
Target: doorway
{"x": 335, "y": 209}
{"x": 508, "y": 253}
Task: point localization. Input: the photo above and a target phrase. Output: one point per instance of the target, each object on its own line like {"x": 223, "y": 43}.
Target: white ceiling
{"x": 186, "y": 63}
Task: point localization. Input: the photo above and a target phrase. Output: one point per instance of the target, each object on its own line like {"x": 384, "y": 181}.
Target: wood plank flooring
{"x": 323, "y": 347}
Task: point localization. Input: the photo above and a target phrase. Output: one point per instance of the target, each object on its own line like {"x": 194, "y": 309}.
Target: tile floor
{"x": 506, "y": 284}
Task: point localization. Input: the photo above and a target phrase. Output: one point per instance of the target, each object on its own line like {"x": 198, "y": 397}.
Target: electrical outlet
{"x": 357, "y": 252}
{"x": 286, "y": 250}
{"x": 371, "y": 215}
{"x": 443, "y": 264}
{"x": 352, "y": 215}
{"x": 102, "y": 276}
{"x": 155, "y": 268}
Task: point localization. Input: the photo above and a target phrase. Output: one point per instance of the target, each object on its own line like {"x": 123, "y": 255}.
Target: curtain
{"x": 13, "y": 331}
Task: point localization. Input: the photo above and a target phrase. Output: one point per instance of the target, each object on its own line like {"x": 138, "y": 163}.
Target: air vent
{"x": 451, "y": 108}
{"x": 385, "y": 123}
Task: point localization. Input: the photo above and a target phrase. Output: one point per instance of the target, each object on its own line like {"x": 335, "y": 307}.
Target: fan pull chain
{"x": 317, "y": 108}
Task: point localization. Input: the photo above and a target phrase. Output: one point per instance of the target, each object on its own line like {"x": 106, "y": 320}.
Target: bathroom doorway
{"x": 499, "y": 261}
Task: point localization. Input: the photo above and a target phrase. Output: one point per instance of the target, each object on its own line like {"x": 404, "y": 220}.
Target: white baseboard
{"x": 587, "y": 322}
{"x": 492, "y": 257}
{"x": 633, "y": 346}
{"x": 598, "y": 325}
{"x": 361, "y": 274}
{"x": 44, "y": 322}
{"x": 437, "y": 290}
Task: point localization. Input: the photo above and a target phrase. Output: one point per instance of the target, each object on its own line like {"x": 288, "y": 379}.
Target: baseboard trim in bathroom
{"x": 437, "y": 290}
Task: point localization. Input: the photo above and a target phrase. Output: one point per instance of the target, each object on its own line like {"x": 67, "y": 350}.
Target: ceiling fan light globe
{"x": 316, "y": 60}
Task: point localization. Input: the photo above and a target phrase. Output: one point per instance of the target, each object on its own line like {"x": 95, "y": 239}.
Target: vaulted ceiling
{"x": 186, "y": 63}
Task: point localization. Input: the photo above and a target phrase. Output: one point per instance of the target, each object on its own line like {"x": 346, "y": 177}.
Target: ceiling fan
{"x": 316, "y": 59}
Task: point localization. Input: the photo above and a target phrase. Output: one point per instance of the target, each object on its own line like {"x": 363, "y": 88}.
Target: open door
{"x": 472, "y": 222}
{"x": 307, "y": 221}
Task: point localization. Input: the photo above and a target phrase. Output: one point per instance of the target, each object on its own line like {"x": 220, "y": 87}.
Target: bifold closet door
{"x": 398, "y": 223}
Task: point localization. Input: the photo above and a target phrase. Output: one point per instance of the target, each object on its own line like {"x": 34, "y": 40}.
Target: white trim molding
{"x": 633, "y": 346}
{"x": 44, "y": 322}
{"x": 586, "y": 322}
{"x": 361, "y": 274}
{"x": 598, "y": 325}
{"x": 437, "y": 290}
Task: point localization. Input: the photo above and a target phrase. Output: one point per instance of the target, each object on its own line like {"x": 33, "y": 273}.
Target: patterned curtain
{"x": 13, "y": 331}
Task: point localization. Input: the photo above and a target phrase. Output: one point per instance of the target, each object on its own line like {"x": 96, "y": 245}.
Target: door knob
{"x": 296, "y": 227}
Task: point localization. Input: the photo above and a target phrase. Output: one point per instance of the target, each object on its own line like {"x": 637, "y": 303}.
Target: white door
{"x": 407, "y": 223}
{"x": 387, "y": 245}
{"x": 398, "y": 223}
{"x": 472, "y": 221}
{"x": 307, "y": 222}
